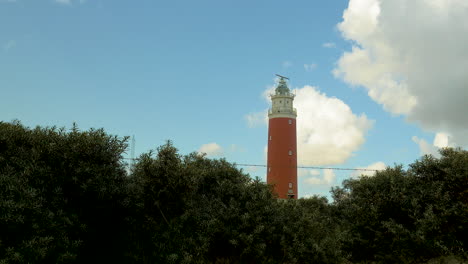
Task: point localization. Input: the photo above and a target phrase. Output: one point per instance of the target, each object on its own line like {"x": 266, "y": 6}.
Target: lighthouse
{"x": 282, "y": 144}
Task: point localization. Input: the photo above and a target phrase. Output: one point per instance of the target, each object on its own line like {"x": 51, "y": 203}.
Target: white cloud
{"x": 358, "y": 68}
{"x": 211, "y": 149}
{"x": 367, "y": 170}
{"x": 261, "y": 118}
{"x": 411, "y": 57}
{"x": 441, "y": 140}
{"x": 236, "y": 148}
{"x": 328, "y": 132}
{"x": 70, "y": 2}
{"x": 310, "y": 67}
{"x": 257, "y": 118}
{"x": 269, "y": 91}
{"x": 327, "y": 178}
{"x": 329, "y": 45}
{"x": 64, "y": 2}
{"x": 314, "y": 172}
{"x": 424, "y": 147}
{"x": 287, "y": 64}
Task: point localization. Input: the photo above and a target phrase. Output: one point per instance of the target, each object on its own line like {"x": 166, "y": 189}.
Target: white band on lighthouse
{"x": 282, "y": 102}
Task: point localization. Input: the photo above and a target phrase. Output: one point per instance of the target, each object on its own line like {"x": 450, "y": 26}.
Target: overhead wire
{"x": 299, "y": 167}
{"x": 309, "y": 167}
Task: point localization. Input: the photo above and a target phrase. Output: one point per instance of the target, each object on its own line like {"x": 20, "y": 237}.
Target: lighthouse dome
{"x": 282, "y": 87}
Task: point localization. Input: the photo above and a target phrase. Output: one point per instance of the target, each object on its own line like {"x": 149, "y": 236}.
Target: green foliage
{"x": 308, "y": 231}
{"x": 200, "y": 210}
{"x": 409, "y": 216}
{"x": 61, "y": 194}
{"x": 65, "y": 197}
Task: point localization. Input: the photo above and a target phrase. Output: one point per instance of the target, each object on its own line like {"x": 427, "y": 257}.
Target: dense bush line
{"x": 66, "y": 197}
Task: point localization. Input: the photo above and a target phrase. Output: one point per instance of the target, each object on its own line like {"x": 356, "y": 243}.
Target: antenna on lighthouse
{"x": 283, "y": 77}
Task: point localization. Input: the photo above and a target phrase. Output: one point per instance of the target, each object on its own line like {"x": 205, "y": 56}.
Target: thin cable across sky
{"x": 299, "y": 167}
{"x": 310, "y": 167}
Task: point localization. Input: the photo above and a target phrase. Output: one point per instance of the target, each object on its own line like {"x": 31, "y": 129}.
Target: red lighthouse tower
{"x": 282, "y": 146}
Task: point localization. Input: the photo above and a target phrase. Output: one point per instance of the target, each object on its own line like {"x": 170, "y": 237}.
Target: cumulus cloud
{"x": 257, "y": 118}
{"x": 314, "y": 172}
{"x": 64, "y": 2}
{"x": 328, "y": 132}
{"x": 211, "y": 149}
{"x": 310, "y": 67}
{"x": 329, "y": 45}
{"x": 69, "y": 2}
{"x": 411, "y": 57}
{"x": 328, "y": 177}
{"x": 236, "y": 148}
{"x": 441, "y": 140}
{"x": 424, "y": 147}
{"x": 367, "y": 171}
{"x": 287, "y": 64}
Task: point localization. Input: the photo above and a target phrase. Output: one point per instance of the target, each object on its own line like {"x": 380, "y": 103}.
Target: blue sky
{"x": 194, "y": 72}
